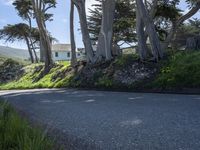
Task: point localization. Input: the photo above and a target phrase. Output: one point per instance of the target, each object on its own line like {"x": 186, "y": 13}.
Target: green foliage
{"x": 182, "y": 71}
{"x": 124, "y": 21}
{"x": 125, "y": 60}
{"x": 16, "y": 134}
{"x": 104, "y": 82}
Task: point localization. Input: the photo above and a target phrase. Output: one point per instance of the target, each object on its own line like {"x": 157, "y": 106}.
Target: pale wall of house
{"x": 61, "y": 56}
{"x": 65, "y": 56}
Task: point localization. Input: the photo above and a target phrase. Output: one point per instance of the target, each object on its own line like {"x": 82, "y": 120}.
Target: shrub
{"x": 104, "y": 82}
{"x": 182, "y": 70}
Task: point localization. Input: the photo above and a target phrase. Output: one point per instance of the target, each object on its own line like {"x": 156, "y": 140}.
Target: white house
{"x": 62, "y": 52}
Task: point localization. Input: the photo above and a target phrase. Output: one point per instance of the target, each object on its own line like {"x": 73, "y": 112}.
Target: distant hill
{"x": 14, "y": 53}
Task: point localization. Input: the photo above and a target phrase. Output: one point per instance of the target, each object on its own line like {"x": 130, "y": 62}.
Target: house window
{"x": 68, "y": 54}
{"x": 78, "y": 54}
{"x": 56, "y": 54}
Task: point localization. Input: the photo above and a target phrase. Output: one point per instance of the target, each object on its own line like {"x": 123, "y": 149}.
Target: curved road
{"x": 114, "y": 120}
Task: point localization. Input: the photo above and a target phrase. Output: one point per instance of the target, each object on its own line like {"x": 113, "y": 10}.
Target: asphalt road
{"x": 114, "y": 120}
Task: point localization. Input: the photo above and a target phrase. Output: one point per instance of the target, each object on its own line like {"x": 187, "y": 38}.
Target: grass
{"x": 20, "y": 61}
{"x": 181, "y": 71}
{"x": 17, "y": 134}
{"x": 27, "y": 81}
{"x": 65, "y": 63}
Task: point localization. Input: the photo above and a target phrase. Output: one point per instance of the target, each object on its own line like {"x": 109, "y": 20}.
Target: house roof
{"x": 61, "y": 47}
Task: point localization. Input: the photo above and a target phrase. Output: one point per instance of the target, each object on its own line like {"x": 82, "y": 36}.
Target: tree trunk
{"x": 177, "y": 23}
{"x": 142, "y": 47}
{"x": 116, "y": 51}
{"x": 45, "y": 41}
{"x": 35, "y": 54}
{"x": 153, "y": 37}
{"x": 73, "y": 45}
{"x": 80, "y": 4}
{"x": 31, "y": 42}
{"x": 104, "y": 47}
{"x": 29, "y": 49}
{"x": 42, "y": 57}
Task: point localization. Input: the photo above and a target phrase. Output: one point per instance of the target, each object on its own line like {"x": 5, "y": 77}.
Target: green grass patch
{"x": 182, "y": 70}
{"x": 17, "y": 134}
{"x": 29, "y": 79}
{"x": 65, "y": 63}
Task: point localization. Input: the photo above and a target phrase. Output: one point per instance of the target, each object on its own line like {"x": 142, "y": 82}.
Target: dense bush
{"x": 182, "y": 71}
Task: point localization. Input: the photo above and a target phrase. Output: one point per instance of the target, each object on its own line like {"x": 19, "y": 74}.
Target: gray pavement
{"x": 115, "y": 120}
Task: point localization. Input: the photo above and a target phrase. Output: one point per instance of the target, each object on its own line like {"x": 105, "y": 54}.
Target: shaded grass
{"x": 16, "y": 133}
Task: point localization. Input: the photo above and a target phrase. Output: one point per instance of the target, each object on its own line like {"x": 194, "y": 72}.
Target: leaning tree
{"x": 18, "y": 32}
{"x": 80, "y": 5}
{"x": 24, "y": 10}
{"x": 146, "y": 28}
{"x": 105, "y": 35}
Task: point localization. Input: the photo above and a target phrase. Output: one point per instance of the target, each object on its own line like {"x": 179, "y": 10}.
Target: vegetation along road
{"x": 114, "y": 120}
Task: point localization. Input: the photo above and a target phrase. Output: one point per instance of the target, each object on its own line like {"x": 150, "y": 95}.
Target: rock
{"x": 193, "y": 43}
{"x": 134, "y": 74}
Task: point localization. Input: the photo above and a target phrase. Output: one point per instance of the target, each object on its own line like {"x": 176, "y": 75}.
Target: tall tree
{"x": 194, "y": 8}
{"x": 80, "y": 5}
{"x": 40, "y": 7}
{"x": 152, "y": 11}
{"x": 147, "y": 20}
{"x": 124, "y": 22}
{"x": 105, "y": 39}
{"x": 73, "y": 44}
{"x": 18, "y": 32}
{"x": 24, "y": 9}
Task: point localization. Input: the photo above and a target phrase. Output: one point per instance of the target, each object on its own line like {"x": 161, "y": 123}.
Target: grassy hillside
{"x": 14, "y": 53}
{"x": 182, "y": 70}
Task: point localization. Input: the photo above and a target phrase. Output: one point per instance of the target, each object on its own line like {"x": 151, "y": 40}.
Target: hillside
{"x": 14, "y": 53}
{"x": 179, "y": 71}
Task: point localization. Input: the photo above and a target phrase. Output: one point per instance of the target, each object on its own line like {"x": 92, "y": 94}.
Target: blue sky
{"x": 59, "y": 27}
